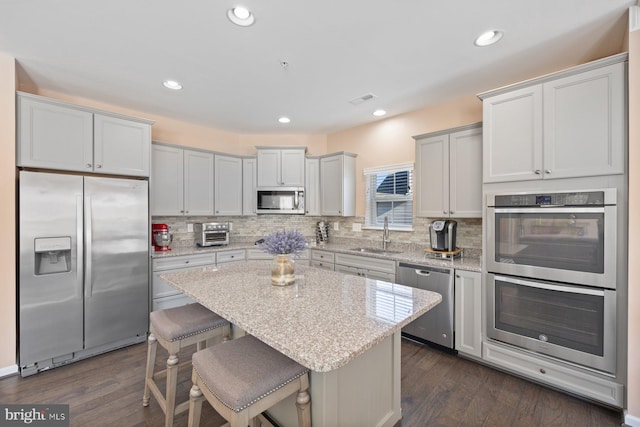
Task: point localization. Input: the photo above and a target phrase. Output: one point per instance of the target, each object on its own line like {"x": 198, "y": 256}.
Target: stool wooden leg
{"x": 195, "y": 405}
{"x": 151, "y": 361}
{"x": 303, "y": 401}
{"x": 172, "y": 384}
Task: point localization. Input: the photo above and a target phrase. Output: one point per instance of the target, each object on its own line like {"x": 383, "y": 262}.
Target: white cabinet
{"x": 338, "y": 184}
{"x": 233, "y": 255}
{"x": 258, "y": 254}
{"x": 181, "y": 181}
{"x": 449, "y": 173}
{"x": 56, "y": 135}
{"x": 279, "y": 166}
{"x": 369, "y": 267}
{"x": 563, "y": 125}
{"x": 468, "y": 312}
{"x": 163, "y": 294}
{"x": 556, "y": 374}
{"x": 323, "y": 259}
{"x": 249, "y": 186}
{"x": 228, "y": 185}
{"x": 312, "y": 186}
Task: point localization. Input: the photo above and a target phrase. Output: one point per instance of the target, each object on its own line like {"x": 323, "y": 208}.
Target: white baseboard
{"x": 631, "y": 420}
{"x": 8, "y": 370}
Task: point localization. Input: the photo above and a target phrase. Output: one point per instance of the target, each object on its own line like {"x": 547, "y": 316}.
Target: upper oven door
{"x": 564, "y": 244}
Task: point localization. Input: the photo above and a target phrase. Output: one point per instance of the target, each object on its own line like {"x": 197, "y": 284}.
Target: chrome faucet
{"x": 385, "y": 234}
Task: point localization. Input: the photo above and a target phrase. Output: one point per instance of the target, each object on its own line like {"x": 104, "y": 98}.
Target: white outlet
{"x": 356, "y": 226}
{"x": 190, "y": 228}
{"x": 336, "y": 226}
{"x": 230, "y": 226}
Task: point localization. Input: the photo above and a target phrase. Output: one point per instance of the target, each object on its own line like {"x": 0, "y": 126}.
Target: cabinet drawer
{"x": 327, "y": 265}
{"x": 323, "y": 256}
{"x": 558, "y": 375}
{"x": 171, "y": 301}
{"x": 230, "y": 256}
{"x": 183, "y": 261}
{"x": 382, "y": 265}
{"x": 258, "y": 254}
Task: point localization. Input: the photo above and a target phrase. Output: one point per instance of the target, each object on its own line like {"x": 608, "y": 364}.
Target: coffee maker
{"x": 442, "y": 234}
{"x": 161, "y": 237}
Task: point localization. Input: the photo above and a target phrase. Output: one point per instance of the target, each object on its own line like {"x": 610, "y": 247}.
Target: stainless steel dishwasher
{"x": 436, "y": 325}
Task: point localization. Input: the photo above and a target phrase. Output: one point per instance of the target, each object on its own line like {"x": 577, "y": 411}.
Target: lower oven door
{"x": 573, "y": 323}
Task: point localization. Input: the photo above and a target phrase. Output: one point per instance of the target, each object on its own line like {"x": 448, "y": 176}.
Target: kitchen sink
{"x": 375, "y": 251}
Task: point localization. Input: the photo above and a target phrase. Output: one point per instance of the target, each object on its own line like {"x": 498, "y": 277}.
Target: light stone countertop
{"x": 323, "y": 321}
{"x": 469, "y": 261}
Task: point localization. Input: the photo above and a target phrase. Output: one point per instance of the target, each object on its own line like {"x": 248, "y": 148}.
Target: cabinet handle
{"x": 217, "y": 211}
{"x": 542, "y": 371}
{"x": 451, "y": 212}
{"x": 186, "y": 262}
{"x": 547, "y": 171}
{"x": 98, "y": 166}
{"x": 457, "y": 276}
{"x": 537, "y": 171}
{"x": 181, "y": 211}
{"x": 444, "y": 212}
{"x": 88, "y": 165}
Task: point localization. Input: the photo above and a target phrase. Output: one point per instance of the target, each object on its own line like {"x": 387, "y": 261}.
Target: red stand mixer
{"x": 161, "y": 237}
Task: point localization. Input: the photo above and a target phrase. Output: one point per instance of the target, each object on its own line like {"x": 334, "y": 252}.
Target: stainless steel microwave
{"x": 280, "y": 200}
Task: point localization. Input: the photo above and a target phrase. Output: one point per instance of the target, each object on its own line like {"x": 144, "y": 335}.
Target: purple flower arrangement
{"x": 284, "y": 242}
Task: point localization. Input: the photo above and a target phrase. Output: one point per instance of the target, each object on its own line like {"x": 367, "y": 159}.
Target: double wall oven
{"x": 551, "y": 262}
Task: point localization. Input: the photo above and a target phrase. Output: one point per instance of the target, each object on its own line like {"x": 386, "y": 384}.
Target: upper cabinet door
{"x": 167, "y": 180}
{"x": 121, "y": 146}
{"x": 249, "y": 186}
{"x": 512, "y": 139}
{"x": 432, "y": 161}
{"x": 228, "y": 185}
{"x": 198, "y": 183}
{"x": 312, "y": 187}
{"x": 584, "y": 123}
{"x": 269, "y": 168}
{"x": 54, "y": 136}
{"x": 465, "y": 174}
{"x": 292, "y": 163}
{"x": 331, "y": 186}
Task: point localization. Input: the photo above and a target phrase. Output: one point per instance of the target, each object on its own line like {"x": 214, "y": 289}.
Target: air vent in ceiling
{"x": 363, "y": 98}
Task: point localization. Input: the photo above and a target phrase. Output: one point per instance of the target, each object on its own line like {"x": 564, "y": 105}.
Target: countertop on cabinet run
{"x": 469, "y": 261}
{"x": 323, "y": 321}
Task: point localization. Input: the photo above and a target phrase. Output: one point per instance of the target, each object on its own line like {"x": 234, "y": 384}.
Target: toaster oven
{"x": 211, "y": 233}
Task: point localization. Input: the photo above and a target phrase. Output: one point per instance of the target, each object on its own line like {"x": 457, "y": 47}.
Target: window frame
{"x": 371, "y": 201}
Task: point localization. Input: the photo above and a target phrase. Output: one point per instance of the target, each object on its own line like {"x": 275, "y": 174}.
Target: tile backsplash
{"x": 250, "y": 228}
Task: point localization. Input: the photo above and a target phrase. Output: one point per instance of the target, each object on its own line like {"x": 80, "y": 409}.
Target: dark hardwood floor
{"x": 438, "y": 389}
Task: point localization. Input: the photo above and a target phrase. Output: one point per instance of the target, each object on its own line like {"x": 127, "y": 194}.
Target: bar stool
{"x": 245, "y": 377}
{"x": 176, "y": 328}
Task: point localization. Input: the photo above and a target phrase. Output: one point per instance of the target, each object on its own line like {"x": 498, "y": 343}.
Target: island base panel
{"x": 365, "y": 392}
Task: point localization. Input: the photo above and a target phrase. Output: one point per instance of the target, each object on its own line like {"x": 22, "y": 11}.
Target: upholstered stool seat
{"x": 176, "y": 328}
{"x": 245, "y": 377}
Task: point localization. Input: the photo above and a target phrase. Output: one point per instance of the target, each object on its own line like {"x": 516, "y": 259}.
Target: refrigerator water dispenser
{"x": 53, "y": 255}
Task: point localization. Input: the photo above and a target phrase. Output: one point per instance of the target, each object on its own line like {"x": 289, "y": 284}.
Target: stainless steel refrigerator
{"x": 84, "y": 267}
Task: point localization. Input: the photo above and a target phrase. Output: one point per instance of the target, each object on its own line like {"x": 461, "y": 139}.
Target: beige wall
{"x": 633, "y": 390}
{"x": 179, "y": 132}
{"x": 389, "y": 141}
{"x": 7, "y": 211}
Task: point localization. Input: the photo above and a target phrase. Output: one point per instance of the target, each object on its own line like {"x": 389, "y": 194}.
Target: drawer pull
{"x": 542, "y": 371}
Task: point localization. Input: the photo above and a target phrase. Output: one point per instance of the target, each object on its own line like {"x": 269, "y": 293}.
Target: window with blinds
{"x": 389, "y": 192}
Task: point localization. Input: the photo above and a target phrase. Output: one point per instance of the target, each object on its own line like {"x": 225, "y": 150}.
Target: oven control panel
{"x": 582, "y": 198}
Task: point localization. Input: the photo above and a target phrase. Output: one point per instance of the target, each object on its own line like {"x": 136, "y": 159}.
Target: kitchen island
{"x": 345, "y": 329}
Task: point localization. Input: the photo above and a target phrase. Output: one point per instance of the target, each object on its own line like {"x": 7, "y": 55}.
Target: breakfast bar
{"x": 345, "y": 329}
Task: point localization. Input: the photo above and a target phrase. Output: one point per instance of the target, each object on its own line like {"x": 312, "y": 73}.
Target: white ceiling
{"x": 410, "y": 53}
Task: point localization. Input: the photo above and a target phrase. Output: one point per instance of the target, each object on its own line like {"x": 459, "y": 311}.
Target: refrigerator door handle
{"x": 79, "y": 240}
{"x": 88, "y": 283}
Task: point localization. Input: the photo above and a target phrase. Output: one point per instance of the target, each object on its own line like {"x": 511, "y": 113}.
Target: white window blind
{"x": 389, "y": 192}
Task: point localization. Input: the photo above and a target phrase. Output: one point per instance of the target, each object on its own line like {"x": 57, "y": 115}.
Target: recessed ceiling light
{"x": 488, "y": 38}
{"x": 240, "y": 15}
{"x": 379, "y": 113}
{"x": 172, "y": 84}
{"x": 284, "y": 119}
